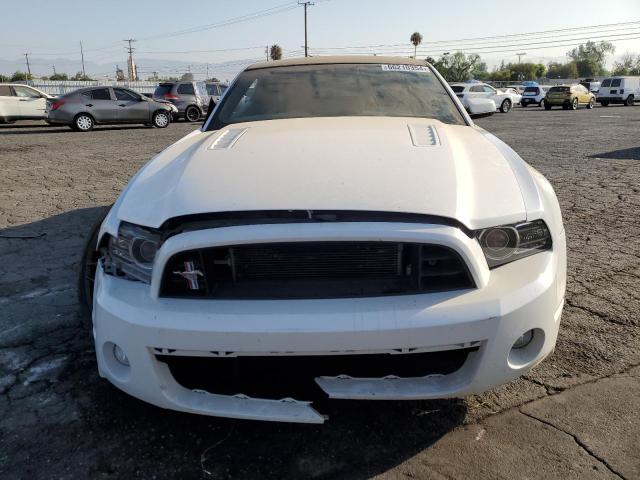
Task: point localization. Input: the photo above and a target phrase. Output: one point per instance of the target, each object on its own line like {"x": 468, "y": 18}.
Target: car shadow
{"x": 65, "y": 129}
{"x": 632, "y": 153}
{"x": 101, "y": 432}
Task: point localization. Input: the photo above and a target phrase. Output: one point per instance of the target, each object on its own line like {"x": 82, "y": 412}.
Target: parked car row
{"x": 84, "y": 108}
{"x": 621, "y": 90}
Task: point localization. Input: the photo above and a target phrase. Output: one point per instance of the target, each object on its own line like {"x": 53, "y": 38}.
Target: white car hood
{"x": 356, "y": 163}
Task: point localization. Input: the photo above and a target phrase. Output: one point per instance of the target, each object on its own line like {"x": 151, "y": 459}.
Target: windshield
{"x": 606, "y": 82}
{"x": 163, "y": 89}
{"x": 535, "y": 90}
{"x": 336, "y": 90}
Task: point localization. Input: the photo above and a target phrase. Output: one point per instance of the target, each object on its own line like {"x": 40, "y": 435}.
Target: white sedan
{"x": 339, "y": 226}
{"x": 504, "y": 99}
{"x": 21, "y": 102}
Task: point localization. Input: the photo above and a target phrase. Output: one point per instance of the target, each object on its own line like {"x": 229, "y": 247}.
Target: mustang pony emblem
{"x": 190, "y": 274}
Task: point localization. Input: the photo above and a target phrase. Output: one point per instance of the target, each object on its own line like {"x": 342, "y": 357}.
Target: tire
{"x": 547, "y": 106}
{"x": 89, "y": 262}
{"x": 192, "y": 114}
{"x": 524, "y": 105}
{"x": 574, "y": 104}
{"x": 506, "y": 106}
{"x": 604, "y": 103}
{"x": 83, "y": 122}
{"x": 542, "y": 103}
{"x": 161, "y": 119}
{"x": 591, "y": 104}
{"x": 565, "y": 107}
{"x": 629, "y": 101}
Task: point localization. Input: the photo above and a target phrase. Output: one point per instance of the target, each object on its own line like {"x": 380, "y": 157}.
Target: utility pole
{"x": 207, "y": 77}
{"x": 26, "y": 56}
{"x": 306, "y": 44}
{"x": 130, "y": 63}
{"x": 54, "y": 69}
{"x": 84, "y": 75}
{"x": 520, "y": 55}
{"x": 266, "y": 52}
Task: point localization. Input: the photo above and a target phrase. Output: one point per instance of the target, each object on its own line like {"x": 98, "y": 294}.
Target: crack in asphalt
{"x": 578, "y": 442}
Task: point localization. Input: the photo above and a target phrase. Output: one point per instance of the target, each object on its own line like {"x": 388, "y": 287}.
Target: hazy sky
{"x": 50, "y": 30}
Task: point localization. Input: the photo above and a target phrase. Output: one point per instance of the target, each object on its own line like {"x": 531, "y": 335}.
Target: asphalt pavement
{"x": 574, "y": 416}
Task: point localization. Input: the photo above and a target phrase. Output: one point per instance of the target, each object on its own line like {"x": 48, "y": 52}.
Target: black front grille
{"x": 313, "y": 270}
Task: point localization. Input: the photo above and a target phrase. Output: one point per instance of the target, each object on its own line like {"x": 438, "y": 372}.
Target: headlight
{"x": 133, "y": 250}
{"x": 507, "y": 243}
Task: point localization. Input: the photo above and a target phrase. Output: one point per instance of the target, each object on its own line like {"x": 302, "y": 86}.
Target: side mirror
{"x": 480, "y": 107}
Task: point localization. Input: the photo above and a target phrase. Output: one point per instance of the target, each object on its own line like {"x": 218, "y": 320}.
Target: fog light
{"x": 119, "y": 355}
{"x": 523, "y": 340}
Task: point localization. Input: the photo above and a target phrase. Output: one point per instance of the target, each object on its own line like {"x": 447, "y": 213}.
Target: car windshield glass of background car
{"x": 337, "y": 90}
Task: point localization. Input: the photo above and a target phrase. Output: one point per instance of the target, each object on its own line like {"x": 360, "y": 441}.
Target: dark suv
{"x": 190, "y": 98}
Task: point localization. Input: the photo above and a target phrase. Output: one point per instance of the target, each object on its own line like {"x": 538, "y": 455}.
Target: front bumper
{"x": 530, "y": 100}
{"x": 526, "y": 294}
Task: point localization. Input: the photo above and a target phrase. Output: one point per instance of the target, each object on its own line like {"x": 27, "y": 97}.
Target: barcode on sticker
{"x": 405, "y": 68}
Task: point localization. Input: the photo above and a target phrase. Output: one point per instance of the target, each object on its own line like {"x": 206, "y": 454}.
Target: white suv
{"x": 21, "y": 102}
{"x": 533, "y": 95}
{"x": 504, "y": 100}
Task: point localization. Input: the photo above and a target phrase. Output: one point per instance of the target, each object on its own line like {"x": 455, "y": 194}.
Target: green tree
{"x": 19, "y": 76}
{"x": 4, "y": 78}
{"x": 628, "y": 64}
{"x": 79, "y": 76}
{"x": 275, "y": 53}
{"x": 562, "y": 70}
{"x": 416, "y": 39}
{"x": 59, "y": 76}
{"x": 186, "y": 77}
{"x": 459, "y": 67}
{"x": 590, "y": 57}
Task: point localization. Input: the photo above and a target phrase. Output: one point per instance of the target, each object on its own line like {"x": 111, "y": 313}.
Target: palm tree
{"x": 416, "y": 39}
{"x": 276, "y": 52}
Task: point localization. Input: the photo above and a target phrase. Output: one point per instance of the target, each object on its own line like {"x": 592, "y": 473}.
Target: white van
{"x": 619, "y": 90}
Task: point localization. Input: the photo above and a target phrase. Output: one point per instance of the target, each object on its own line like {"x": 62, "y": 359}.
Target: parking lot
{"x": 58, "y": 419}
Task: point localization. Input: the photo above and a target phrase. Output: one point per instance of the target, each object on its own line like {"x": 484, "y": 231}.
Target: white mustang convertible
{"x": 338, "y": 227}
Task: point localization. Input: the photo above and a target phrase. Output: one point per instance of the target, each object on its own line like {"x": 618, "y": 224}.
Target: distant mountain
{"x": 146, "y": 67}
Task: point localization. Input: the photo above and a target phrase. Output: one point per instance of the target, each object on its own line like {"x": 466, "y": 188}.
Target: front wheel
{"x": 89, "y": 263}
{"x": 523, "y": 105}
{"x": 604, "y": 104}
{"x": 161, "y": 119}
{"x": 592, "y": 103}
{"x": 506, "y": 106}
{"x": 192, "y": 114}
{"x": 547, "y": 106}
{"x": 83, "y": 122}
{"x": 629, "y": 101}
{"x": 574, "y": 104}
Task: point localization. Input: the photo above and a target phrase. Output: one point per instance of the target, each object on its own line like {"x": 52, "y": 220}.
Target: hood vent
{"x": 227, "y": 139}
{"x": 424, "y": 135}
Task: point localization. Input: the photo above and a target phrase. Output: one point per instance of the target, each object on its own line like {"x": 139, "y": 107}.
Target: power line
{"x": 231, "y": 21}
{"x": 493, "y": 37}
{"x": 424, "y": 50}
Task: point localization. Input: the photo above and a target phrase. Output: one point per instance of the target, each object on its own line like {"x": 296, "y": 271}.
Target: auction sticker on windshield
{"x": 405, "y": 68}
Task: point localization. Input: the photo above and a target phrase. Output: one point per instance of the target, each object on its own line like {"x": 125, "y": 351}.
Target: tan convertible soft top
{"x": 338, "y": 59}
